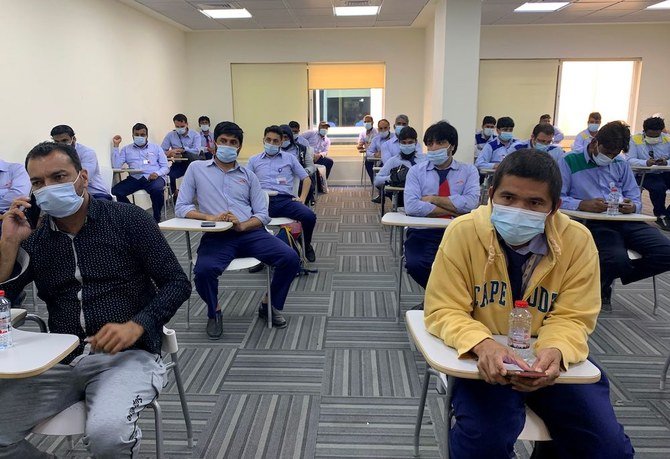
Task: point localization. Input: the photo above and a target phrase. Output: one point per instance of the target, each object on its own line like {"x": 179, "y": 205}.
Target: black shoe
{"x": 256, "y": 269}
{"x": 309, "y": 253}
{"x": 418, "y": 307}
{"x": 278, "y": 320}
{"x": 215, "y": 326}
{"x": 663, "y": 223}
{"x": 378, "y": 199}
{"x": 606, "y": 299}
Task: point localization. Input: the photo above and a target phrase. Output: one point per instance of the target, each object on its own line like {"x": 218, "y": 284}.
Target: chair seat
{"x": 237, "y": 264}
{"x": 18, "y": 315}
{"x": 70, "y": 421}
{"x": 279, "y": 221}
{"x": 633, "y": 255}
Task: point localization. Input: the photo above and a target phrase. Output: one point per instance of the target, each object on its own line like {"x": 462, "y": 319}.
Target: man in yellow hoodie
{"x": 521, "y": 248}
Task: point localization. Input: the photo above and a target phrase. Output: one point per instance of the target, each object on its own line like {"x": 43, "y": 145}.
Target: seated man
{"x": 276, "y": 171}
{"x": 14, "y": 182}
{"x": 295, "y": 129}
{"x": 366, "y": 136}
{"x": 584, "y": 138}
{"x": 319, "y": 141}
{"x": 392, "y": 147}
{"x": 408, "y": 157}
{"x": 208, "y": 146}
{"x": 587, "y": 179}
{"x": 107, "y": 275}
{"x": 521, "y": 248}
{"x": 439, "y": 187}
{"x": 97, "y": 186}
{"x": 652, "y": 148}
{"x": 375, "y": 150}
{"x": 180, "y": 143}
{"x": 496, "y": 150}
{"x": 487, "y": 134}
{"x": 541, "y": 139}
{"x": 558, "y": 135}
{"x": 226, "y": 191}
{"x": 305, "y": 157}
{"x": 144, "y": 156}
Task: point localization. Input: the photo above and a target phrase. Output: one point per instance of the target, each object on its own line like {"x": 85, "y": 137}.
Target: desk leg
{"x": 189, "y": 252}
{"x": 382, "y": 194}
{"x": 400, "y": 266}
{"x": 448, "y": 413}
{"x": 422, "y": 406}
{"x": 644, "y": 173}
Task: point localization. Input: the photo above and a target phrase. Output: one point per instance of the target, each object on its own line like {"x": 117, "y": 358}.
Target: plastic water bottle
{"x": 518, "y": 337}
{"x": 5, "y": 322}
{"x": 613, "y": 200}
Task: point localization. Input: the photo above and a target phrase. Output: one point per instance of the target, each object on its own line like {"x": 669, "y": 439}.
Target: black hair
{"x": 531, "y": 164}
{"x": 286, "y": 131}
{"x": 655, "y": 123}
{"x": 204, "y": 118}
{"x": 505, "y": 122}
{"x": 139, "y": 126}
{"x": 408, "y": 133}
{"x": 324, "y": 124}
{"x": 488, "y": 119}
{"x": 294, "y": 125}
{"x": 62, "y": 129}
{"x": 547, "y": 129}
{"x": 439, "y": 132}
{"x": 229, "y": 128}
{"x": 595, "y": 115}
{"x": 180, "y": 117}
{"x": 546, "y": 116}
{"x": 274, "y": 128}
{"x": 614, "y": 136}
{"x": 46, "y": 148}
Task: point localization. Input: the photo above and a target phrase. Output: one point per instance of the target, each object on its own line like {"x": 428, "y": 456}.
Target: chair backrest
{"x": 296, "y": 185}
{"x": 169, "y": 343}
{"x": 107, "y": 175}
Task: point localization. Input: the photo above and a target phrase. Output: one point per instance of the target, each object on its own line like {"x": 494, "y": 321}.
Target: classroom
{"x": 335, "y": 228}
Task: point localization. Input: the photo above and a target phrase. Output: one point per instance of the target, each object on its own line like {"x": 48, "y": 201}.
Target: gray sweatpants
{"x": 116, "y": 389}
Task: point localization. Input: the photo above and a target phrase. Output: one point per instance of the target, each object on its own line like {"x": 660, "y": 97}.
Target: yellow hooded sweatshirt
{"x": 469, "y": 295}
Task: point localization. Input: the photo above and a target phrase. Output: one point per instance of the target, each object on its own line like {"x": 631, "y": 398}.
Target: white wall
{"x": 96, "y": 65}
{"x": 209, "y": 55}
{"x": 615, "y": 41}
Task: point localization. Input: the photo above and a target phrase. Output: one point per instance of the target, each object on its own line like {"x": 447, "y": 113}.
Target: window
{"x": 344, "y": 109}
{"x": 608, "y": 87}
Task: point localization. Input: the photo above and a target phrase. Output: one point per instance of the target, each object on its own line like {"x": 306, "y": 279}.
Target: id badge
{"x": 281, "y": 180}
{"x": 146, "y": 161}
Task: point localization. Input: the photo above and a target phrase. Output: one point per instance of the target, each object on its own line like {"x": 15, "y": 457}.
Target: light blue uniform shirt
{"x": 554, "y": 151}
{"x": 191, "y": 142}
{"x": 277, "y": 172}
{"x": 385, "y": 173}
{"x": 376, "y": 144}
{"x": 480, "y": 141}
{"x": 423, "y": 180}
{"x": 366, "y": 137}
{"x": 558, "y": 135}
{"x": 89, "y": 161}
{"x": 302, "y": 141}
{"x": 493, "y": 153}
{"x": 320, "y": 144}
{"x": 582, "y": 140}
{"x": 206, "y": 139}
{"x": 149, "y": 159}
{"x": 14, "y": 182}
{"x": 217, "y": 191}
{"x": 638, "y": 151}
{"x": 392, "y": 148}
{"x": 583, "y": 179}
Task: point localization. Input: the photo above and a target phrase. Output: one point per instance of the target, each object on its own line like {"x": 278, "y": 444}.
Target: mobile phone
{"x": 32, "y": 213}
{"x": 208, "y": 224}
{"x": 526, "y": 374}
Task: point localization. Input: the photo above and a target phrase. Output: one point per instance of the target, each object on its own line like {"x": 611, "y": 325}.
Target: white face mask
{"x": 652, "y": 140}
{"x": 601, "y": 160}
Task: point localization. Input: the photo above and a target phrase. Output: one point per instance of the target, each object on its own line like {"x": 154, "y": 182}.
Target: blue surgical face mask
{"x": 384, "y": 134}
{"x": 60, "y": 200}
{"x": 398, "y": 129}
{"x": 593, "y": 127}
{"x": 368, "y": 126}
{"x": 296, "y": 135}
{"x": 488, "y": 132}
{"x": 323, "y": 132}
{"x": 407, "y": 149}
{"x": 139, "y": 140}
{"x": 270, "y": 149}
{"x": 541, "y": 147}
{"x": 506, "y": 136}
{"x": 602, "y": 160}
{"x": 226, "y": 153}
{"x": 205, "y": 128}
{"x": 181, "y": 130}
{"x": 285, "y": 144}
{"x": 517, "y": 226}
{"x": 438, "y": 157}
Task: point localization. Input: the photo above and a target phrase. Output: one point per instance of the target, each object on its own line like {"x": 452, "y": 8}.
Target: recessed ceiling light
{"x": 660, "y": 6}
{"x": 239, "y": 13}
{"x": 356, "y": 10}
{"x": 544, "y": 7}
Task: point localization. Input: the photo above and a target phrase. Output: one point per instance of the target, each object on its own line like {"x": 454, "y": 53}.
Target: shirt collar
{"x": 536, "y": 246}
{"x": 455, "y": 165}
{"x": 210, "y": 162}
{"x": 93, "y": 213}
{"x": 265, "y": 155}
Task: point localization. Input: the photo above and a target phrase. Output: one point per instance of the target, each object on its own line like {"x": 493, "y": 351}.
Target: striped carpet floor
{"x": 343, "y": 380}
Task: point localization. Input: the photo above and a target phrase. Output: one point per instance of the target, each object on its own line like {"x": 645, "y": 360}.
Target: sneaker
{"x": 215, "y": 326}
{"x": 418, "y": 307}
{"x": 606, "y": 299}
{"x": 663, "y": 223}
{"x": 278, "y": 320}
{"x": 309, "y": 253}
{"x": 378, "y": 199}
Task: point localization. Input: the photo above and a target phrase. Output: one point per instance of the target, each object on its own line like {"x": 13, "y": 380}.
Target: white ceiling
{"x": 292, "y": 14}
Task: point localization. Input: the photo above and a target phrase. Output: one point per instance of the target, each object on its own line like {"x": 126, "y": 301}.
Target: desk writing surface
{"x": 34, "y": 353}
{"x": 579, "y": 214}
{"x": 401, "y": 219}
{"x": 189, "y": 224}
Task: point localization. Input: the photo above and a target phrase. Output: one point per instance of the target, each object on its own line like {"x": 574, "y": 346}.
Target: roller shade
{"x": 346, "y": 76}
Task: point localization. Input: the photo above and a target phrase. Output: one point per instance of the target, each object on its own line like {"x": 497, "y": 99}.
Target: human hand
{"x": 15, "y": 226}
{"x": 651, "y": 162}
{"x": 662, "y": 162}
{"x": 548, "y": 362}
{"x": 116, "y": 140}
{"x": 491, "y": 357}
{"x": 153, "y": 176}
{"x": 317, "y": 156}
{"x": 113, "y": 338}
{"x": 627, "y": 206}
{"x": 597, "y": 205}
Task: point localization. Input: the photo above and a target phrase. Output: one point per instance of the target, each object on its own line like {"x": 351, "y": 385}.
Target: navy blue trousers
{"x": 420, "y": 249}
{"x": 217, "y": 250}
{"x": 130, "y": 185}
{"x": 325, "y": 161}
{"x": 177, "y": 170}
{"x": 580, "y": 419}
{"x": 615, "y": 239}
{"x": 283, "y": 205}
{"x": 368, "y": 168}
{"x": 657, "y": 185}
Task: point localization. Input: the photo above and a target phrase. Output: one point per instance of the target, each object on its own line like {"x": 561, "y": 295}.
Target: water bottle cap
{"x": 520, "y": 304}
